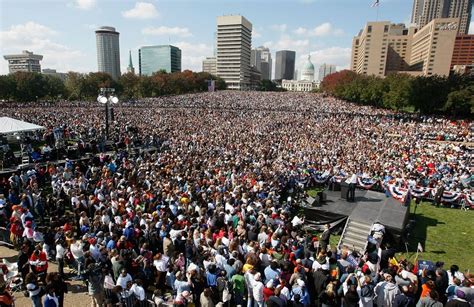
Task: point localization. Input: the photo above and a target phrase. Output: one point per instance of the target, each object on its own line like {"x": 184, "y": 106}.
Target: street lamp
{"x": 106, "y": 96}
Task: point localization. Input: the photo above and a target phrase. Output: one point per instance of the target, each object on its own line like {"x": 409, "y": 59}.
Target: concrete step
{"x": 354, "y": 235}
{"x": 360, "y": 225}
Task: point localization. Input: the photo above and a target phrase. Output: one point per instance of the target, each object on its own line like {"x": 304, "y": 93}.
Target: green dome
{"x": 308, "y": 66}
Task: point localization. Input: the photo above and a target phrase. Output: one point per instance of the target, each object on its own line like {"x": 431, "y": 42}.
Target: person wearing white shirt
{"x": 123, "y": 279}
{"x": 138, "y": 290}
{"x": 60, "y": 253}
{"x": 352, "y": 181}
{"x": 257, "y": 290}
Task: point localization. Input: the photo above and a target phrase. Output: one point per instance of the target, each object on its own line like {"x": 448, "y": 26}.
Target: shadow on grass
{"x": 420, "y": 230}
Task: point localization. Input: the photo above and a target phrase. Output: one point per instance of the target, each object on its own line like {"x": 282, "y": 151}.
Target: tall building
{"x": 130, "y": 67}
{"x": 326, "y": 69}
{"x": 266, "y": 63}
{"x": 108, "y": 51}
{"x": 382, "y": 48}
{"x": 26, "y": 61}
{"x": 209, "y": 65}
{"x": 256, "y": 59}
{"x": 424, "y": 11}
{"x": 285, "y": 65}
{"x": 463, "y": 53}
{"x": 152, "y": 59}
{"x": 234, "y": 41}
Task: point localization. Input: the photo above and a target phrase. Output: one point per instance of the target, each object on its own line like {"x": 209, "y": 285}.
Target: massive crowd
{"x": 205, "y": 218}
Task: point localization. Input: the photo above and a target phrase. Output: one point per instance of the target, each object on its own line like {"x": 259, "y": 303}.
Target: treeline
{"x": 25, "y": 86}
{"x": 453, "y": 95}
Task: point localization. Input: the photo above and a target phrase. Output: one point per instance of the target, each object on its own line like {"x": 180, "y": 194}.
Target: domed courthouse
{"x": 306, "y": 83}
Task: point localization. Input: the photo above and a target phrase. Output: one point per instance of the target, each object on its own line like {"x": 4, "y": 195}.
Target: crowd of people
{"x": 205, "y": 217}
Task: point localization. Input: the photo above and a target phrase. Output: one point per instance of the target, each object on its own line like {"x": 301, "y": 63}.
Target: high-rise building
{"x": 152, "y": 59}
{"x": 256, "y": 59}
{"x": 285, "y": 65}
{"x": 209, "y": 65}
{"x": 326, "y": 69}
{"x": 234, "y": 41}
{"x": 130, "y": 67}
{"x": 463, "y": 53}
{"x": 108, "y": 51}
{"x": 461, "y": 9}
{"x": 424, "y": 11}
{"x": 26, "y": 61}
{"x": 382, "y": 48}
{"x": 266, "y": 63}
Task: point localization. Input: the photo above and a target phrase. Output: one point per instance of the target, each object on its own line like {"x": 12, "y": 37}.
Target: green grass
{"x": 444, "y": 233}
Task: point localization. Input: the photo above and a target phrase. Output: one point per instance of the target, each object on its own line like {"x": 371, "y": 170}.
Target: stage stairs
{"x": 355, "y": 235}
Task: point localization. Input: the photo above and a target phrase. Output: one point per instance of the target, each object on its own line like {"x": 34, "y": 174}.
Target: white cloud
{"x": 85, "y": 4}
{"x": 193, "y": 54}
{"x": 142, "y": 10}
{"x": 182, "y": 32}
{"x": 286, "y": 42}
{"x": 471, "y": 27}
{"x": 255, "y": 34}
{"x": 40, "y": 39}
{"x": 338, "y": 56}
{"x": 323, "y": 29}
{"x": 280, "y": 27}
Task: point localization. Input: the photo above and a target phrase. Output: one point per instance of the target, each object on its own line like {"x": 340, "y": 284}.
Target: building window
{"x": 369, "y": 29}
{"x": 385, "y": 29}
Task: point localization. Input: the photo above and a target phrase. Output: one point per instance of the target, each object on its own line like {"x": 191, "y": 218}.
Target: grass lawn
{"x": 445, "y": 235}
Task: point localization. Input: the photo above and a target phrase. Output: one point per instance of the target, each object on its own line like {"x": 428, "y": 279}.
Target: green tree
{"x": 131, "y": 85}
{"x": 461, "y": 102}
{"x": 268, "y": 86}
{"x": 7, "y": 87}
{"x": 54, "y": 87}
{"x": 399, "y": 92}
{"x": 428, "y": 94}
{"x": 29, "y": 86}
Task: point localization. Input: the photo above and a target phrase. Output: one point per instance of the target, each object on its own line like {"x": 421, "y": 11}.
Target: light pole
{"x": 106, "y": 96}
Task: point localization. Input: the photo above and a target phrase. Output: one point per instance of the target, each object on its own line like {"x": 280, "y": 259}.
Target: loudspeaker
{"x": 344, "y": 190}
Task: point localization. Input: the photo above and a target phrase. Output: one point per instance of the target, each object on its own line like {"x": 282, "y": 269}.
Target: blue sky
{"x": 63, "y": 30}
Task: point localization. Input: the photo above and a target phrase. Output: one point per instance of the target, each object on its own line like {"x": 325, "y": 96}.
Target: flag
{"x": 419, "y": 248}
{"x": 376, "y": 3}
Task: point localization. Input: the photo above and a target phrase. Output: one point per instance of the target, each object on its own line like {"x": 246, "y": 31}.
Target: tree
{"x": 268, "y": 86}
{"x": 428, "y": 94}
{"x": 461, "y": 102}
{"x": 399, "y": 92}
{"x": 74, "y": 85}
{"x": 131, "y": 85}
{"x": 54, "y": 87}
{"x": 29, "y": 86}
{"x": 332, "y": 82}
{"x": 7, "y": 87}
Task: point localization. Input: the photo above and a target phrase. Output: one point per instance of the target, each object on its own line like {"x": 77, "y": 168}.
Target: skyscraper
{"x": 108, "y": 51}
{"x": 234, "y": 41}
{"x": 326, "y": 69}
{"x": 426, "y": 10}
{"x": 262, "y": 60}
{"x": 152, "y": 59}
{"x": 285, "y": 65}
{"x": 130, "y": 67}
{"x": 26, "y": 61}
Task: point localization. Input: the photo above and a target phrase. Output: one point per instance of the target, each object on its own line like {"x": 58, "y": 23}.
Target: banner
{"x": 419, "y": 192}
{"x": 448, "y": 197}
{"x": 320, "y": 178}
{"x": 397, "y": 192}
{"x": 366, "y": 183}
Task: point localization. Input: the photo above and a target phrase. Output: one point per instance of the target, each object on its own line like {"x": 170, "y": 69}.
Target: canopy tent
{"x": 10, "y": 125}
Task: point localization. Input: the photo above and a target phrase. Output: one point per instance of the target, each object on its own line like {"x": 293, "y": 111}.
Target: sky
{"x": 63, "y": 30}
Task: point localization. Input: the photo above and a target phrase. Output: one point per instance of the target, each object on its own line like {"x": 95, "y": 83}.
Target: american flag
{"x": 376, "y": 3}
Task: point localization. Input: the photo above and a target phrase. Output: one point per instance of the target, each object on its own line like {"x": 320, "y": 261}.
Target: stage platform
{"x": 369, "y": 207}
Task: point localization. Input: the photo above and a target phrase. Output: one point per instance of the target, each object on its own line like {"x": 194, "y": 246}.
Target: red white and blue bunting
{"x": 448, "y": 197}
{"x": 420, "y": 192}
{"x": 366, "y": 183}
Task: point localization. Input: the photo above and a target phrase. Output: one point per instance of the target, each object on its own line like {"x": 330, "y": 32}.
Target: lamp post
{"x": 106, "y": 96}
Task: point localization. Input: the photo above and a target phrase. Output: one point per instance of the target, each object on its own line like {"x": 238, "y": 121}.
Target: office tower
{"x": 54, "y": 73}
{"x": 326, "y": 69}
{"x": 266, "y": 63}
{"x": 382, "y": 48}
{"x": 108, "y": 51}
{"x": 285, "y": 65}
{"x": 461, "y": 9}
{"x": 26, "y": 61}
{"x": 256, "y": 59}
{"x": 209, "y": 65}
{"x": 234, "y": 41}
{"x": 152, "y": 59}
{"x": 130, "y": 67}
{"x": 425, "y": 11}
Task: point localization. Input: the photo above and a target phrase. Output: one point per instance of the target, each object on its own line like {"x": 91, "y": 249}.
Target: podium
{"x": 344, "y": 190}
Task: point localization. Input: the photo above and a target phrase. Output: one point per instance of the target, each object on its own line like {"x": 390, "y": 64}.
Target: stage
{"x": 369, "y": 207}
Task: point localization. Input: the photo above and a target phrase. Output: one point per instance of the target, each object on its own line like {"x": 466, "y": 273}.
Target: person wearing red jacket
{"x": 39, "y": 263}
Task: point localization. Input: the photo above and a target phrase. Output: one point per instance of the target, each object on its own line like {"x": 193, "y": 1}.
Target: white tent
{"x": 11, "y": 125}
